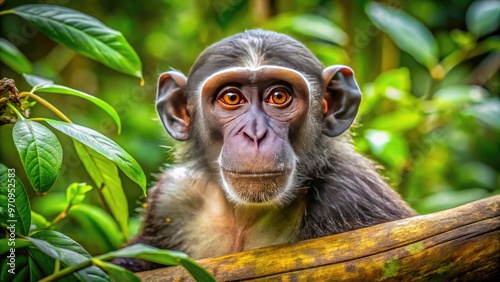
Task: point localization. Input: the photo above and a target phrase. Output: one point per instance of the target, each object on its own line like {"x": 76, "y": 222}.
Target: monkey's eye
{"x": 279, "y": 97}
{"x": 231, "y": 98}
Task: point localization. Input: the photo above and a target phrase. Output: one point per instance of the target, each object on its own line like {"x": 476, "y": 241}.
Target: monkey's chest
{"x": 221, "y": 235}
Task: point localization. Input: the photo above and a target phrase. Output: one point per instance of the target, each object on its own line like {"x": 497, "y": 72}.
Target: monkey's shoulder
{"x": 177, "y": 188}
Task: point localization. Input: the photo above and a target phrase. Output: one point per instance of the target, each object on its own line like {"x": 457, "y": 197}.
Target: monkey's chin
{"x": 263, "y": 188}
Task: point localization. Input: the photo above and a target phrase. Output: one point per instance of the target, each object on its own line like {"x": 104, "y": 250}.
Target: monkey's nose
{"x": 255, "y": 136}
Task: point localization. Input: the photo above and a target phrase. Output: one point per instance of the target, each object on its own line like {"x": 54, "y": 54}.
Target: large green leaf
{"x": 99, "y": 225}
{"x": 117, "y": 273}
{"x": 104, "y": 146}
{"x": 309, "y": 25}
{"x": 105, "y": 175}
{"x": 59, "y": 89}
{"x": 145, "y": 252}
{"x": 12, "y": 57}
{"x": 40, "y": 152}
{"x": 483, "y": 17}
{"x": 69, "y": 252}
{"x": 84, "y": 34}
{"x": 319, "y": 27}
{"x": 407, "y": 32}
{"x": 14, "y": 201}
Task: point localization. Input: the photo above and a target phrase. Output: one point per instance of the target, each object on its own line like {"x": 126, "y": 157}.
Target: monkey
{"x": 266, "y": 156}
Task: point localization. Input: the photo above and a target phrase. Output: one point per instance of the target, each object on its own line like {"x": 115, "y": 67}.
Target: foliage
{"x": 398, "y": 116}
{"x": 31, "y": 251}
{"x": 430, "y": 114}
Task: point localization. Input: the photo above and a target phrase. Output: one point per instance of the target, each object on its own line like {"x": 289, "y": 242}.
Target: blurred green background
{"x": 430, "y": 114}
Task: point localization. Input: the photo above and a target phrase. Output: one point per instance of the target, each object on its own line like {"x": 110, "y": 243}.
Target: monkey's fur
{"x": 334, "y": 189}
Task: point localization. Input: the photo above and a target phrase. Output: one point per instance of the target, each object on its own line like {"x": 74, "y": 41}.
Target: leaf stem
{"x": 59, "y": 217}
{"x": 101, "y": 195}
{"x": 19, "y": 115}
{"x": 6, "y": 12}
{"x": 57, "y": 266}
{"x": 435, "y": 83}
{"x": 67, "y": 271}
{"x": 18, "y": 235}
{"x": 47, "y": 105}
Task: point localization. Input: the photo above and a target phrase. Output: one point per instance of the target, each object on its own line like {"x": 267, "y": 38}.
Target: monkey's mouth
{"x": 253, "y": 187}
{"x": 257, "y": 174}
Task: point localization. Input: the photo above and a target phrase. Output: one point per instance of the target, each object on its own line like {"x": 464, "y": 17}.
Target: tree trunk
{"x": 461, "y": 244}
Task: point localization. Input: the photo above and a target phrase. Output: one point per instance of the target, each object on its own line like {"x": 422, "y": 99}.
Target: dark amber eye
{"x": 279, "y": 97}
{"x": 231, "y": 98}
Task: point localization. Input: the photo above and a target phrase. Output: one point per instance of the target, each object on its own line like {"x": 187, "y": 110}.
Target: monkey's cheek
{"x": 256, "y": 189}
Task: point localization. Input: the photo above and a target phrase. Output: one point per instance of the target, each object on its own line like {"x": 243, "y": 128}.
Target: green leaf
{"x": 407, "y": 32}
{"x": 319, "y": 27}
{"x": 483, "y": 17}
{"x": 459, "y": 95}
{"x": 476, "y": 174}
{"x": 58, "y": 242}
{"x": 329, "y": 54}
{"x": 22, "y": 272}
{"x": 115, "y": 272}
{"x": 37, "y": 268}
{"x": 145, "y": 252}
{"x": 42, "y": 266}
{"x": 105, "y": 175}
{"x": 449, "y": 199}
{"x": 14, "y": 201}
{"x": 59, "y": 89}
{"x": 59, "y": 246}
{"x": 398, "y": 121}
{"x": 84, "y": 34}
{"x": 198, "y": 272}
{"x": 389, "y": 147}
{"x": 75, "y": 193}
{"x": 488, "y": 112}
{"x": 12, "y": 57}
{"x": 40, "y": 153}
{"x": 104, "y": 146}
{"x": 99, "y": 225}
{"x": 38, "y": 221}
{"x": 83, "y": 221}
{"x": 7, "y": 244}
{"x": 36, "y": 81}
{"x": 50, "y": 205}
{"x": 396, "y": 78}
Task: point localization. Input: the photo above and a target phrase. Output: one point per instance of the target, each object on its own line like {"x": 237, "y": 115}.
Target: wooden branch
{"x": 458, "y": 244}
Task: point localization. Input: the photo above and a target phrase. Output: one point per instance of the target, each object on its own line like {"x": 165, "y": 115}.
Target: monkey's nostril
{"x": 246, "y": 135}
{"x": 255, "y": 138}
{"x": 261, "y": 136}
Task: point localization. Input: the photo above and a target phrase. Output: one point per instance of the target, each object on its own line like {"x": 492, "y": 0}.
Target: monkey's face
{"x": 253, "y": 106}
{"x": 259, "y": 113}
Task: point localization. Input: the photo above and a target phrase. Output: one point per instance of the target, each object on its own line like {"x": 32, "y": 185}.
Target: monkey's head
{"x": 252, "y": 107}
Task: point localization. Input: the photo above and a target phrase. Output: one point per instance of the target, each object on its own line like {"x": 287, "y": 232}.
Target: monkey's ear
{"x": 340, "y": 101}
{"x": 171, "y": 104}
